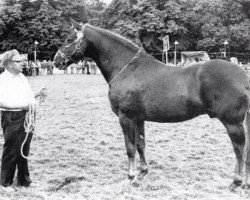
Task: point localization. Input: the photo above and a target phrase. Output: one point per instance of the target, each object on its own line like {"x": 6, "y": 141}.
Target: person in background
{"x": 16, "y": 98}
{"x": 86, "y": 66}
{"x": 52, "y": 67}
{"x": 1, "y": 68}
{"x": 65, "y": 71}
{"x": 43, "y": 67}
{"x": 25, "y": 68}
{"x": 79, "y": 67}
{"x": 29, "y": 68}
{"x": 34, "y": 67}
{"x": 38, "y": 67}
{"x": 93, "y": 67}
{"x": 72, "y": 69}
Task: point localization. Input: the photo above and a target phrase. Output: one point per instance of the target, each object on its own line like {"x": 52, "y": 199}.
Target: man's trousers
{"x": 12, "y": 123}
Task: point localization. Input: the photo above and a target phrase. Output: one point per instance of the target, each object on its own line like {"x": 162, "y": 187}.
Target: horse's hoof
{"x": 141, "y": 175}
{"x": 235, "y": 184}
{"x": 135, "y": 183}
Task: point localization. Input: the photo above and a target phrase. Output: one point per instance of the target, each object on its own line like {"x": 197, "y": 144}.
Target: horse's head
{"x": 73, "y": 47}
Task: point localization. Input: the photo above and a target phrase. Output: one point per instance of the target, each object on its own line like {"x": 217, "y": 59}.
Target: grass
{"x": 79, "y": 151}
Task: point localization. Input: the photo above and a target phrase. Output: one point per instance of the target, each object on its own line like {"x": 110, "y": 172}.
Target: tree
{"x": 196, "y": 24}
{"x": 94, "y": 9}
{"x": 23, "y": 22}
{"x": 223, "y": 20}
{"x": 147, "y": 22}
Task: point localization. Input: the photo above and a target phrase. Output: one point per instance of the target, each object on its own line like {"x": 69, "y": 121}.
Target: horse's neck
{"x": 109, "y": 54}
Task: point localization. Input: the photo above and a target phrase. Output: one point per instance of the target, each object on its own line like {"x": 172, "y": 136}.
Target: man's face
{"x": 17, "y": 64}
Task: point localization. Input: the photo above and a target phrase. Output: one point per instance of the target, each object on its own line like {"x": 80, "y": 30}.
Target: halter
{"x": 135, "y": 56}
{"x": 78, "y": 43}
{"x": 77, "y": 48}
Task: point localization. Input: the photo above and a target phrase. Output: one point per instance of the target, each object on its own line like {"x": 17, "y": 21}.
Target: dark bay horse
{"x": 144, "y": 89}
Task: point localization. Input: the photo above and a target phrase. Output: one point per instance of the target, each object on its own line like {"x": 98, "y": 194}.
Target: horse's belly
{"x": 174, "y": 110}
{"x": 171, "y": 118}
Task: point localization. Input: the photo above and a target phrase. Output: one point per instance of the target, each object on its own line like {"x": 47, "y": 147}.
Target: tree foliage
{"x": 223, "y": 20}
{"x": 23, "y": 22}
{"x": 196, "y": 24}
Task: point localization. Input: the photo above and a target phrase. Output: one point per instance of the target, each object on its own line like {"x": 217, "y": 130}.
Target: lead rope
{"x": 136, "y": 56}
{"x": 30, "y": 119}
{"x": 29, "y": 125}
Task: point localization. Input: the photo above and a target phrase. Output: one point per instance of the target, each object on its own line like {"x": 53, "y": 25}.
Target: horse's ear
{"x": 75, "y": 25}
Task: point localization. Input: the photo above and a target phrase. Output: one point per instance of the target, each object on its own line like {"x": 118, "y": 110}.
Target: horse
{"x": 142, "y": 88}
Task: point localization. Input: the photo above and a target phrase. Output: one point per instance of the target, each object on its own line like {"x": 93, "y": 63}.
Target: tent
{"x": 188, "y": 57}
{"x": 234, "y": 60}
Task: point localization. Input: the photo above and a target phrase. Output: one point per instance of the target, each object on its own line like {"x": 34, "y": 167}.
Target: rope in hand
{"x": 29, "y": 124}
{"x": 30, "y": 120}
{"x": 30, "y": 117}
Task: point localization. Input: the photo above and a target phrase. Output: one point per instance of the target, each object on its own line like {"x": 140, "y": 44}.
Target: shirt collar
{"x": 7, "y": 73}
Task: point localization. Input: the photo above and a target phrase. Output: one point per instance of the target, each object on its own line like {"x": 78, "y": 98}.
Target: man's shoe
{"x": 24, "y": 181}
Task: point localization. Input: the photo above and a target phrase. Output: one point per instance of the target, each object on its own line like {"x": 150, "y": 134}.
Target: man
{"x": 86, "y": 66}
{"x": 16, "y": 97}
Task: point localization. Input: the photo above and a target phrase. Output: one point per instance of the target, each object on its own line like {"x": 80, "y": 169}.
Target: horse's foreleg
{"x": 128, "y": 127}
{"x": 140, "y": 134}
{"x": 237, "y": 136}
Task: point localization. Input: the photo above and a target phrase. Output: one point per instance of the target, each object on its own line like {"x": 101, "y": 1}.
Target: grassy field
{"x": 79, "y": 151}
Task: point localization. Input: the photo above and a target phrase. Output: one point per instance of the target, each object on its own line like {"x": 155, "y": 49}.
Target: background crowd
{"x": 46, "y": 67}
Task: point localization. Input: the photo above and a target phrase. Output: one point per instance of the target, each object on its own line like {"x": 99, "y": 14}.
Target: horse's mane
{"x": 123, "y": 41}
{"x": 114, "y": 36}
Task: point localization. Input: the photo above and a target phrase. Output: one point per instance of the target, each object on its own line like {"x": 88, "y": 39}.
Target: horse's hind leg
{"x": 237, "y": 136}
{"x": 247, "y": 150}
{"x": 128, "y": 127}
{"x": 140, "y": 133}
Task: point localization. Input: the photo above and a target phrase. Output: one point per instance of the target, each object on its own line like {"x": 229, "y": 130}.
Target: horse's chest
{"x": 128, "y": 102}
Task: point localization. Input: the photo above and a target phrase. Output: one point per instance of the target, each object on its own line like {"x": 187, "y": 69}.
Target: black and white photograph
{"x": 125, "y": 99}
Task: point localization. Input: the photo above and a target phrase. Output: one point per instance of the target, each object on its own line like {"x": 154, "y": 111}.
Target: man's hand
{"x": 42, "y": 94}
